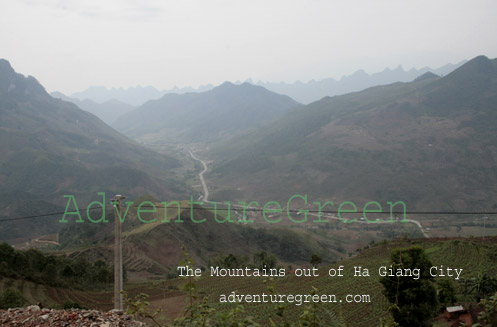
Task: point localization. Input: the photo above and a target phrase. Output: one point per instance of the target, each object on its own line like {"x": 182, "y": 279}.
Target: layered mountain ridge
{"x": 51, "y": 148}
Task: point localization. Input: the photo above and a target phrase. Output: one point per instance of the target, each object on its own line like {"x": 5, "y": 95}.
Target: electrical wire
{"x": 251, "y": 209}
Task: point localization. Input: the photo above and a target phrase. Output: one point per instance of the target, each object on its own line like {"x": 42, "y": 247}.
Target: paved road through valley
{"x": 205, "y": 197}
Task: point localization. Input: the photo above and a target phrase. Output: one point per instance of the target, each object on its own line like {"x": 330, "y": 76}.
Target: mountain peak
{"x": 5, "y": 65}
{"x": 356, "y": 75}
{"x": 478, "y": 66}
{"x": 17, "y": 84}
{"x": 211, "y": 115}
{"x": 426, "y": 76}
{"x": 480, "y": 63}
{"x": 230, "y": 87}
{"x": 226, "y": 85}
{"x": 7, "y": 73}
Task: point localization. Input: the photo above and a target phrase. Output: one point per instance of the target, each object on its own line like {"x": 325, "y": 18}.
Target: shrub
{"x": 11, "y": 298}
{"x": 71, "y": 305}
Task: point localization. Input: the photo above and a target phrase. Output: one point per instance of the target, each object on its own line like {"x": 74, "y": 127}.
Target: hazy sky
{"x": 69, "y": 45}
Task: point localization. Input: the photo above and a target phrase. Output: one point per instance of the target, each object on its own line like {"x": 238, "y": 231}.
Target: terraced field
{"x": 471, "y": 254}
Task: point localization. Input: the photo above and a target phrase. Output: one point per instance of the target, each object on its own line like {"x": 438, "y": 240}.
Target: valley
{"x": 248, "y": 163}
{"x": 238, "y": 173}
{"x": 205, "y": 196}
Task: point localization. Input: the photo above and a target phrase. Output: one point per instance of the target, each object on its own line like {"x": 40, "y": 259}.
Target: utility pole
{"x": 484, "y": 222}
{"x": 118, "y": 254}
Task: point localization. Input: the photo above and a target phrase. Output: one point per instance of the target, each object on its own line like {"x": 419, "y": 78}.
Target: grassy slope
{"x": 153, "y": 249}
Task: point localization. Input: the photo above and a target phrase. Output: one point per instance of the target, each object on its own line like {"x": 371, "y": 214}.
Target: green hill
{"x": 429, "y": 143}
{"x": 475, "y": 256}
{"x": 193, "y": 117}
{"x": 51, "y": 148}
{"x": 152, "y": 250}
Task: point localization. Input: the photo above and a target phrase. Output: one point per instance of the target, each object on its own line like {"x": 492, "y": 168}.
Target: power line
{"x": 251, "y": 209}
{"x": 46, "y": 214}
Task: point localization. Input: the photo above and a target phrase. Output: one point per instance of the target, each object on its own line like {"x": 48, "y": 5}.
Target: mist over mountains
{"x": 51, "y": 148}
{"x": 303, "y": 92}
{"x": 360, "y": 80}
{"x": 208, "y": 116}
{"x": 134, "y": 96}
{"x": 426, "y": 142}
{"x": 108, "y": 111}
{"x": 110, "y": 104}
{"x": 429, "y": 143}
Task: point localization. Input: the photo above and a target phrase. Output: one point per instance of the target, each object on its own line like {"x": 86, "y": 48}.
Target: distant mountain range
{"x": 303, "y": 92}
{"x": 134, "y": 96}
{"x": 360, "y": 80}
{"x": 51, "y": 148}
{"x": 217, "y": 114}
{"x": 108, "y": 111}
{"x": 430, "y": 143}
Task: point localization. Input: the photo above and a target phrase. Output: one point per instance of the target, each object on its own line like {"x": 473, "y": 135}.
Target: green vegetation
{"x": 413, "y": 300}
{"x": 228, "y": 261}
{"x": 481, "y": 285}
{"x": 260, "y": 260}
{"x": 265, "y": 260}
{"x": 200, "y": 312}
{"x": 315, "y": 260}
{"x": 11, "y": 298}
{"x": 72, "y": 305}
{"x": 475, "y": 256}
{"x": 446, "y": 292}
{"x": 34, "y": 266}
{"x": 144, "y": 243}
{"x": 488, "y": 318}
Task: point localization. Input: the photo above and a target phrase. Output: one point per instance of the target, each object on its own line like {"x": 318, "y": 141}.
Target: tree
{"x": 229, "y": 261}
{"x": 11, "y": 298}
{"x": 481, "y": 285}
{"x": 414, "y": 299}
{"x": 50, "y": 274}
{"x": 265, "y": 260}
{"x": 446, "y": 292}
{"x": 7, "y": 253}
{"x": 315, "y": 260}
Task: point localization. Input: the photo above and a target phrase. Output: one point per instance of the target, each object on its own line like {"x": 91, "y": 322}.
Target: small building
{"x": 459, "y": 314}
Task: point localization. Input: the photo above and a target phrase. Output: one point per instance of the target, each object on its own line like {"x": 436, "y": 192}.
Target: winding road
{"x": 420, "y": 227}
{"x": 205, "y": 197}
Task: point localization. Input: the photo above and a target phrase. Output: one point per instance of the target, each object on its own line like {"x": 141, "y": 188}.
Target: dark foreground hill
{"x": 152, "y": 250}
{"x": 430, "y": 143}
{"x": 475, "y": 256}
{"x": 50, "y": 148}
{"x": 216, "y": 114}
